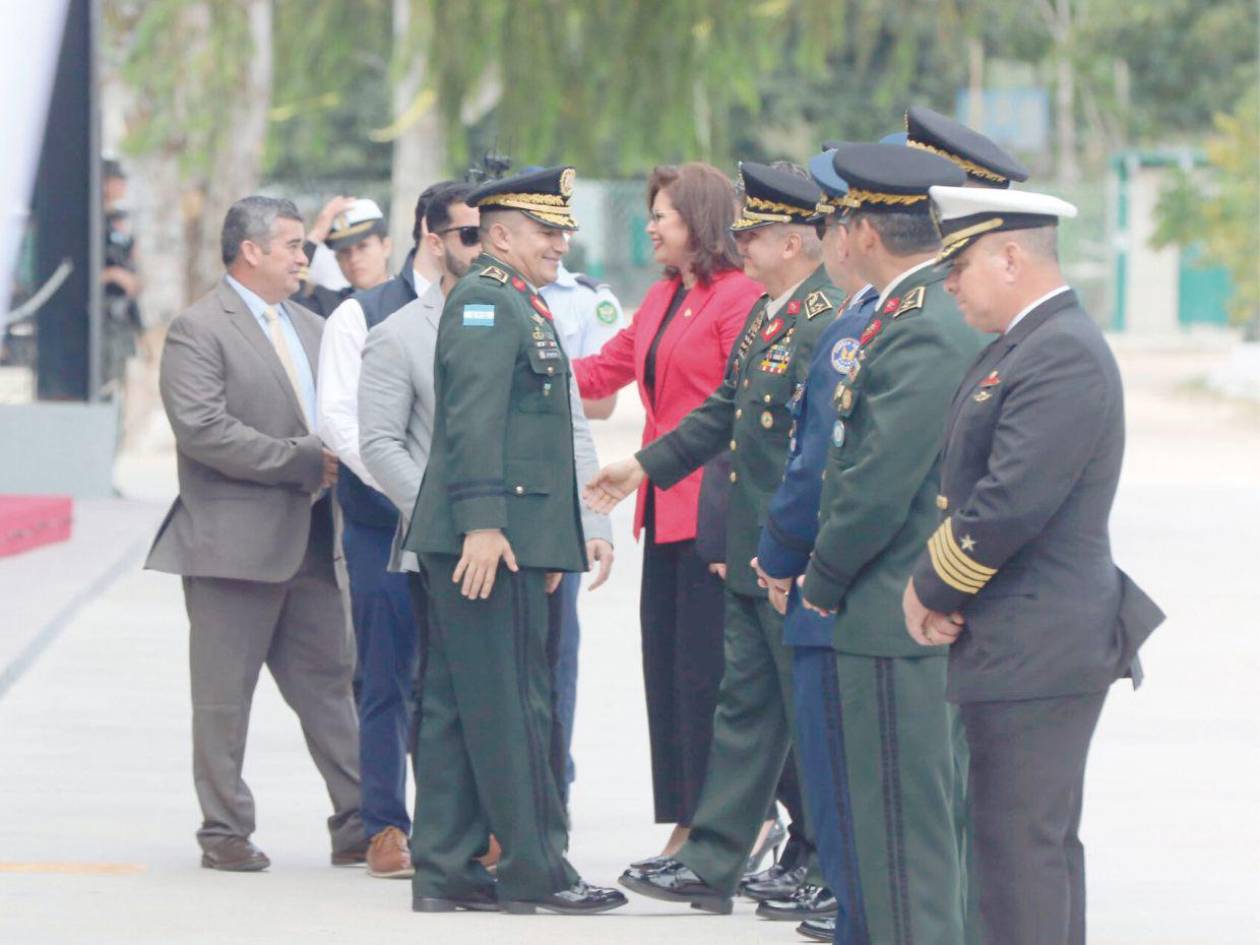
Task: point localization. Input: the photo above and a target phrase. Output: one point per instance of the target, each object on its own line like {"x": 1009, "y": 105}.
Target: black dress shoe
{"x": 671, "y": 881}
{"x": 778, "y": 882}
{"x": 235, "y": 855}
{"x": 578, "y": 899}
{"x": 483, "y": 900}
{"x": 808, "y": 902}
{"x": 650, "y": 863}
{"x": 820, "y": 930}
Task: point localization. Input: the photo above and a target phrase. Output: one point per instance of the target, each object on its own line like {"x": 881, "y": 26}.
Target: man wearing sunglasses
{"x": 380, "y": 603}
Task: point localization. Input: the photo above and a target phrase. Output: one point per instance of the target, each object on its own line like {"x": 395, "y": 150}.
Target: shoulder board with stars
{"x": 816, "y": 303}
{"x": 911, "y": 301}
{"x": 495, "y": 273}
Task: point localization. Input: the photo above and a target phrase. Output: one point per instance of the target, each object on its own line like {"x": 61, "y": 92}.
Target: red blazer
{"x": 689, "y": 367}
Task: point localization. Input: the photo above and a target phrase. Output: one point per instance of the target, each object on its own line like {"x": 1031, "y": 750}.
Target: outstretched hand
{"x": 612, "y": 484}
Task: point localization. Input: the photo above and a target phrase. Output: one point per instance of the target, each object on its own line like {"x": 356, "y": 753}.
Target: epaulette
{"x": 816, "y": 303}
{"x": 495, "y": 273}
{"x": 910, "y": 301}
{"x": 582, "y": 278}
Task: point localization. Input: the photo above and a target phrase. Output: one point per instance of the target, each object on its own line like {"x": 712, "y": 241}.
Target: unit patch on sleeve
{"x": 478, "y": 316}
{"x": 844, "y": 355}
{"x": 606, "y": 312}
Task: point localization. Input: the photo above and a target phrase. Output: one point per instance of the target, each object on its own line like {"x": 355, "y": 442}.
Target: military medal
{"x": 772, "y": 329}
{"x": 992, "y": 380}
{"x": 767, "y": 419}
{"x": 837, "y": 434}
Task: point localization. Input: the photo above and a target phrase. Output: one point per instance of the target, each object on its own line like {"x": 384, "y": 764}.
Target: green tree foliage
{"x": 1222, "y": 210}
{"x": 331, "y": 90}
{"x": 184, "y": 63}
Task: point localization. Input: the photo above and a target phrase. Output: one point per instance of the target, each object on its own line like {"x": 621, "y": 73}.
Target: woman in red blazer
{"x": 676, "y": 350}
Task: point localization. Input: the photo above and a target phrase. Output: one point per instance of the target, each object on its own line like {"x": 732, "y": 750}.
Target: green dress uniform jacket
{"x": 878, "y": 504}
{"x": 502, "y": 452}
{"x": 749, "y": 414}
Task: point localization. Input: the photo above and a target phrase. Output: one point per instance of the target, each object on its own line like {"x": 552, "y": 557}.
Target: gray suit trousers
{"x": 297, "y": 628}
{"x": 1027, "y": 781}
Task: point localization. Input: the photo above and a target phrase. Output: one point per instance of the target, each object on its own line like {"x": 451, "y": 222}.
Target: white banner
{"x": 28, "y": 63}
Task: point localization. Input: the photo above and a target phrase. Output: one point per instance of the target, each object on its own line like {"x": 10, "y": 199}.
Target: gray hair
{"x": 251, "y": 218}
{"x": 903, "y": 234}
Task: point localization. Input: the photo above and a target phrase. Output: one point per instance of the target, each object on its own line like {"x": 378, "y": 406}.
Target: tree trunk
{"x": 1065, "y": 95}
{"x": 420, "y": 144}
{"x": 975, "y": 83}
{"x": 236, "y": 167}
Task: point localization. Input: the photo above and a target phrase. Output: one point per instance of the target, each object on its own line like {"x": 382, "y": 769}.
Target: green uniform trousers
{"x": 482, "y": 755}
{"x": 752, "y": 731}
{"x": 906, "y": 761}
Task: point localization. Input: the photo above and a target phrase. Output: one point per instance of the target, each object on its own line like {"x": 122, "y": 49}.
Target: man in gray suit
{"x": 1019, "y": 575}
{"x": 396, "y": 398}
{"x": 252, "y": 531}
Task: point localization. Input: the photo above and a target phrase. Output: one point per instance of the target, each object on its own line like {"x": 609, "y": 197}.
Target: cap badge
{"x": 566, "y": 182}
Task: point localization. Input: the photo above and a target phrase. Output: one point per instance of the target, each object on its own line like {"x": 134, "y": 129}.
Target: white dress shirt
{"x": 340, "y": 362}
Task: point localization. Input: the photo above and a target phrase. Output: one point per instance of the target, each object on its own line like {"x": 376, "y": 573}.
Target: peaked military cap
{"x": 965, "y": 213}
{"x": 823, "y": 170}
{"x": 774, "y": 195}
{"x": 887, "y": 178}
{"x": 362, "y": 219}
{"x": 542, "y": 195}
{"x": 983, "y": 161}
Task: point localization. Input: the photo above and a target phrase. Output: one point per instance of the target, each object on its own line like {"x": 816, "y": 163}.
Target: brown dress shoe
{"x": 388, "y": 856}
{"x": 235, "y": 855}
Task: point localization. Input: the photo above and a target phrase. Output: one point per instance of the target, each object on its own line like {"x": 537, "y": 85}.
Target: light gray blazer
{"x": 396, "y": 406}
{"x": 248, "y": 466}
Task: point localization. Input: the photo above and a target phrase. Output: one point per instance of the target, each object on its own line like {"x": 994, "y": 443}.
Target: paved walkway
{"x": 97, "y": 810}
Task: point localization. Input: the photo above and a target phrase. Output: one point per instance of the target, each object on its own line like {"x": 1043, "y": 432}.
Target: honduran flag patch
{"x": 478, "y": 316}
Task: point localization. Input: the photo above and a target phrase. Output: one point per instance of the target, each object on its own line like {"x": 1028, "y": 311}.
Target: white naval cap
{"x": 361, "y": 219}
{"x": 964, "y": 213}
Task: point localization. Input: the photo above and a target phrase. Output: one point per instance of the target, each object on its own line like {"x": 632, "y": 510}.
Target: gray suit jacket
{"x": 248, "y": 466}
{"x": 1033, "y": 445}
{"x": 396, "y": 403}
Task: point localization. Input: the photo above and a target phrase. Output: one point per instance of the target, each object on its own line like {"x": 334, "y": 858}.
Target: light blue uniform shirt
{"x": 585, "y": 318}
{"x": 305, "y": 376}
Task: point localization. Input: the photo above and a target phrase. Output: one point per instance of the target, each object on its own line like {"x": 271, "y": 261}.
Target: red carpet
{"x": 28, "y": 521}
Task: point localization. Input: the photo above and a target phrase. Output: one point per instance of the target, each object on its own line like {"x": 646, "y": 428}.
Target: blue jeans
{"x": 386, "y": 642}
{"x": 564, "y": 635}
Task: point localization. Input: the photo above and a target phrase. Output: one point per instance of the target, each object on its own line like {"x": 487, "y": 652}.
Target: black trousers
{"x": 681, "y": 613}
{"x": 1027, "y": 778}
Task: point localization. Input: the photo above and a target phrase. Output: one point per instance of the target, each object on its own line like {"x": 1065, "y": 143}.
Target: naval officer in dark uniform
{"x": 496, "y": 525}
{"x": 748, "y": 416}
{"x": 1018, "y": 578}
{"x": 900, "y": 738}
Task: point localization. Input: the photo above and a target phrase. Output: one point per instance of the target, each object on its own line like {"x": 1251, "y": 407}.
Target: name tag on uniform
{"x": 478, "y": 316}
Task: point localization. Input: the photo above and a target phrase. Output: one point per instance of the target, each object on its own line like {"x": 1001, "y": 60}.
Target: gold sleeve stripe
{"x": 959, "y": 558}
{"x": 945, "y": 572}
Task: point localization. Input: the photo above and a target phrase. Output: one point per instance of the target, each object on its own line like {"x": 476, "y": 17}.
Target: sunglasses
{"x": 468, "y": 235}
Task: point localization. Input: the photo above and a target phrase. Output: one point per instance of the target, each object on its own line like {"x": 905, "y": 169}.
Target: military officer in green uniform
{"x": 496, "y": 524}
{"x": 901, "y": 740}
{"x": 749, "y": 415}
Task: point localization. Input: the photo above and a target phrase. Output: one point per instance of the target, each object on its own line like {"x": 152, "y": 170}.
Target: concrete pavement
{"x": 97, "y": 810}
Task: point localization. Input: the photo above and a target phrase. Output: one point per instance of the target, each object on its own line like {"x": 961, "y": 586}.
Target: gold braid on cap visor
{"x": 971, "y": 167}
{"x": 856, "y": 198}
{"x": 354, "y": 230}
{"x": 551, "y": 208}
{"x": 952, "y": 243}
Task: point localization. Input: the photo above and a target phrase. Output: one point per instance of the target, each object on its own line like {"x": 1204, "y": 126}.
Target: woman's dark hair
{"x": 705, "y": 199}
